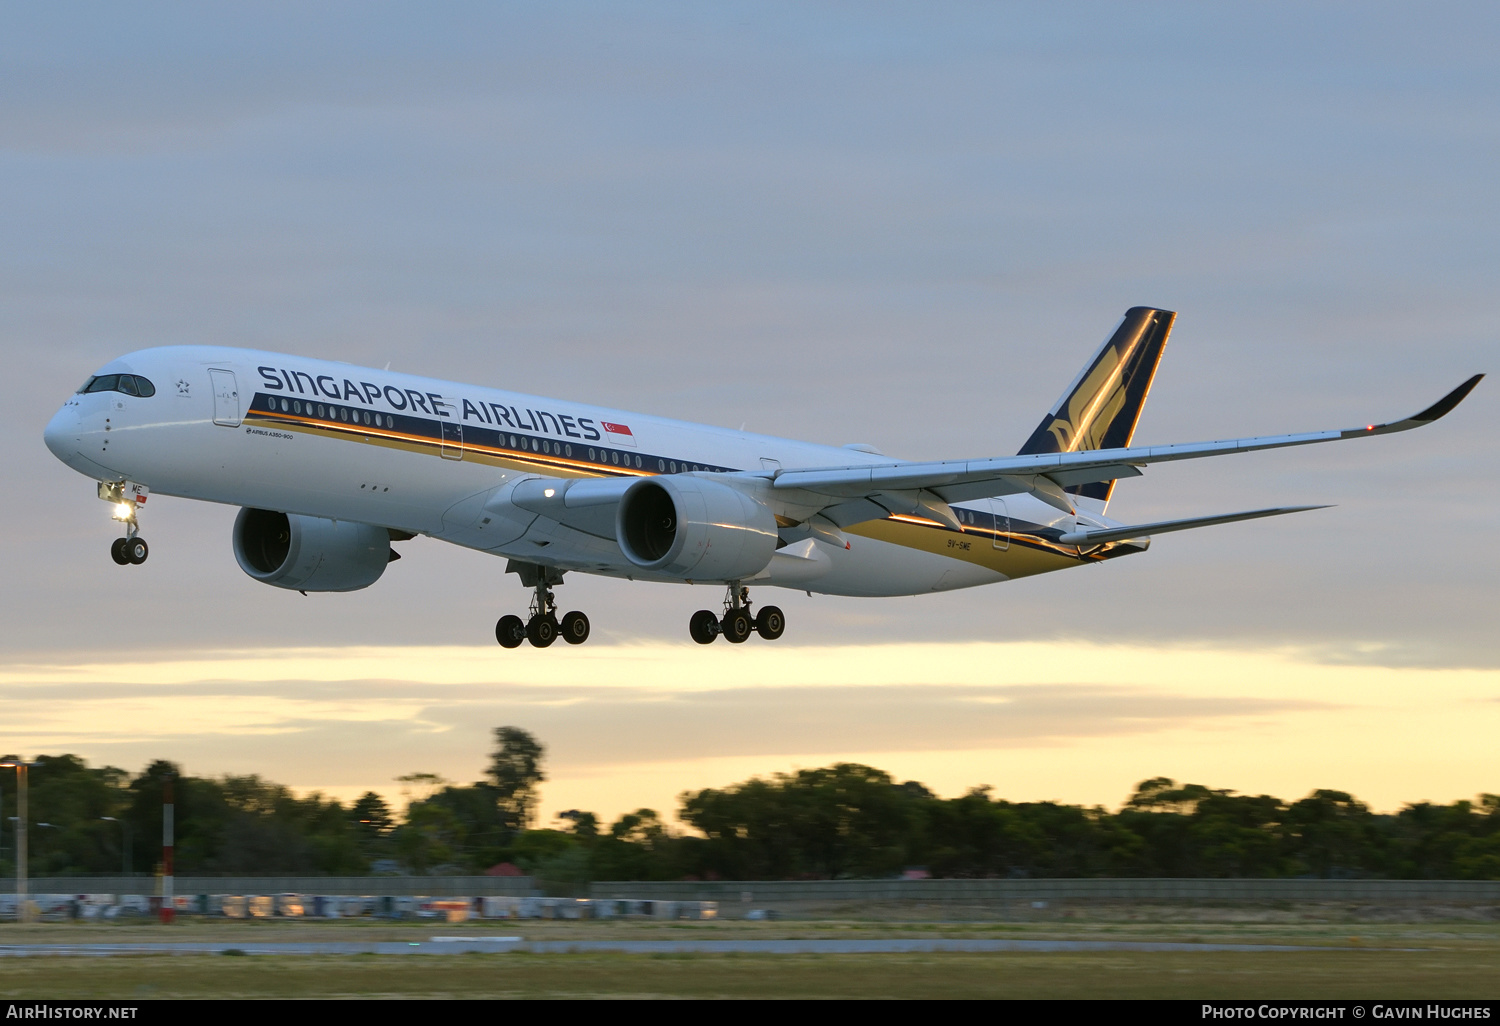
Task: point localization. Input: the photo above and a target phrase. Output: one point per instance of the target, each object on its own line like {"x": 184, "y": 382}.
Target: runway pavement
{"x": 458, "y": 945}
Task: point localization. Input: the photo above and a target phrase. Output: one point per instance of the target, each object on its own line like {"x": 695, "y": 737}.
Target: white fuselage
{"x": 324, "y": 439}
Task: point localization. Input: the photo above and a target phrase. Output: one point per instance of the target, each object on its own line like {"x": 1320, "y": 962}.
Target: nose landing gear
{"x": 541, "y": 627}
{"x": 129, "y": 550}
{"x": 127, "y": 499}
{"x": 736, "y": 623}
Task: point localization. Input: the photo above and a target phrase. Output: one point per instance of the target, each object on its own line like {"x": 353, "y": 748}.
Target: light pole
{"x": 168, "y": 909}
{"x": 23, "y": 907}
{"x": 125, "y": 849}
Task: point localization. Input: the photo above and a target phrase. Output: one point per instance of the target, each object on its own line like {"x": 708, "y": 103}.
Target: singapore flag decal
{"x": 618, "y": 434}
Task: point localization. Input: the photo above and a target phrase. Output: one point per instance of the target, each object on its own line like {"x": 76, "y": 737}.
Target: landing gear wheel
{"x": 704, "y": 627}
{"x": 117, "y": 551}
{"x": 136, "y": 550}
{"x": 769, "y": 623}
{"x": 541, "y": 631}
{"x": 575, "y": 628}
{"x": 736, "y": 625}
{"x": 510, "y": 631}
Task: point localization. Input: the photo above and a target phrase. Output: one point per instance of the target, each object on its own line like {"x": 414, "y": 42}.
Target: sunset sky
{"x": 898, "y": 224}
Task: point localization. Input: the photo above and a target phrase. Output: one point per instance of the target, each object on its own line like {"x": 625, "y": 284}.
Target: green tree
{"x": 840, "y": 820}
{"x": 581, "y": 824}
{"x": 487, "y": 830}
{"x": 65, "y": 827}
{"x": 431, "y": 838}
{"x": 1329, "y": 834}
{"x": 844, "y": 820}
{"x": 371, "y": 821}
{"x": 1478, "y": 857}
{"x": 638, "y": 846}
{"x": 1237, "y": 835}
{"x": 514, "y": 772}
{"x": 557, "y": 859}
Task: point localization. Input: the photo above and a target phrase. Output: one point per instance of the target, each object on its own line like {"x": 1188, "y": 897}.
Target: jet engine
{"x": 694, "y": 529}
{"x": 310, "y": 553}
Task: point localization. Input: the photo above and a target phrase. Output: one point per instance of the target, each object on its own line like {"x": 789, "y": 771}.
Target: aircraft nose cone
{"x": 61, "y": 434}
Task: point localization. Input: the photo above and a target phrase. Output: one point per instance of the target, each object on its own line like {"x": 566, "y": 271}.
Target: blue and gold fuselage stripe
{"x": 982, "y": 530}
{"x": 518, "y": 447}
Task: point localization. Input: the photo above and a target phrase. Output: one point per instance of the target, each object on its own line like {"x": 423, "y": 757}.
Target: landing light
{"x": 124, "y": 511}
{"x": 549, "y": 492}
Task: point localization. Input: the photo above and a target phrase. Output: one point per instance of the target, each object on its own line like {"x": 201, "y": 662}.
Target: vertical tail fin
{"x": 1102, "y": 406}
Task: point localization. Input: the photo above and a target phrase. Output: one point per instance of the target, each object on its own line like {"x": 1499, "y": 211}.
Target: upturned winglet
{"x": 1437, "y": 410}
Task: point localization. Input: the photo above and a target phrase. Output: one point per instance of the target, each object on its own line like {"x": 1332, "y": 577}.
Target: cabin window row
{"x": 673, "y": 467}
{"x": 613, "y": 457}
{"x": 324, "y": 412}
{"x": 346, "y": 415}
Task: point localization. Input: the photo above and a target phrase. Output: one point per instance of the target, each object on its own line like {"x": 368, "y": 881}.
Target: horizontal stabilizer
{"x": 1100, "y": 535}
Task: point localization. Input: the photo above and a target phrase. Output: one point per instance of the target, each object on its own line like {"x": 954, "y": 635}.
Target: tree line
{"x": 840, "y": 821}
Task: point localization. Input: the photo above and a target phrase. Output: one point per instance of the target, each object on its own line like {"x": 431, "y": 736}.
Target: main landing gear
{"x": 736, "y": 623}
{"x": 132, "y": 548}
{"x": 542, "y": 626}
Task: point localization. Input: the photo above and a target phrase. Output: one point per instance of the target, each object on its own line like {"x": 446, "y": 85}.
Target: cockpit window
{"x": 130, "y": 384}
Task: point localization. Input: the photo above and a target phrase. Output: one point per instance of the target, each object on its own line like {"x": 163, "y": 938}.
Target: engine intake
{"x": 694, "y": 529}
{"x": 287, "y": 550}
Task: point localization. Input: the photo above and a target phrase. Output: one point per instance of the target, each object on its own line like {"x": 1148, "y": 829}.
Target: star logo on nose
{"x": 182, "y": 387}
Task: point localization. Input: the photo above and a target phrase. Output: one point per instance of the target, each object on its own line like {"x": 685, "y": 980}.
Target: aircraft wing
{"x": 925, "y": 488}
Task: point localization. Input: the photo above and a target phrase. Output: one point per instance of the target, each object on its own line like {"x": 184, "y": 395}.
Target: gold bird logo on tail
{"x": 1093, "y": 407}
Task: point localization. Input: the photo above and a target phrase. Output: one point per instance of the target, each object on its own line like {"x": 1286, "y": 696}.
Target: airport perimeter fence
{"x": 103, "y": 906}
{"x": 460, "y": 898}
{"x": 771, "y": 892}
{"x": 363, "y": 886}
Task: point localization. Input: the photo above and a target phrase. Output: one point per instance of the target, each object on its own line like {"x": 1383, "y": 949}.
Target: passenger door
{"x": 1002, "y": 524}
{"x": 226, "y": 398}
{"x": 452, "y": 432}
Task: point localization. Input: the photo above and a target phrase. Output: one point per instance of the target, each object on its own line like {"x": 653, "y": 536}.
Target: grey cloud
{"x": 586, "y": 727}
{"x": 787, "y": 721}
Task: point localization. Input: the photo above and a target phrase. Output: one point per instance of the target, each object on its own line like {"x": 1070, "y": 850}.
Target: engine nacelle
{"x": 694, "y": 529}
{"x": 309, "y": 553}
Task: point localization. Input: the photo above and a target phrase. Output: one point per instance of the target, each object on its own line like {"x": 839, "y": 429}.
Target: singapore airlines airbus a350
{"x": 332, "y": 463}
